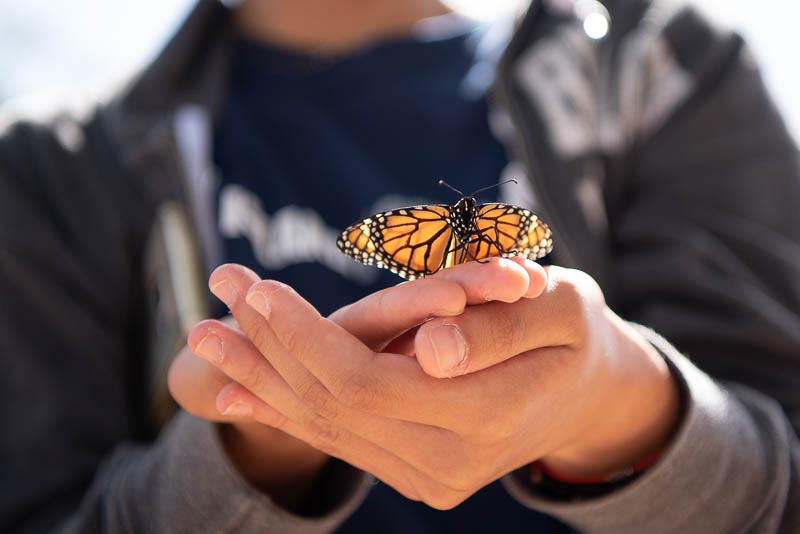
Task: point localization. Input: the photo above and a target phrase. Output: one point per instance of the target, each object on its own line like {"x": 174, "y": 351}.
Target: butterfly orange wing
{"x": 411, "y": 242}
{"x": 507, "y": 230}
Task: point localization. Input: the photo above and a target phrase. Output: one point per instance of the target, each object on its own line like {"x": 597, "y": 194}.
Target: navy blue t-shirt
{"x": 306, "y": 146}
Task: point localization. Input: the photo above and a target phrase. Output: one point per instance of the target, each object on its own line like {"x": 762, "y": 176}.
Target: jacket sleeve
{"x": 706, "y": 234}
{"x": 185, "y": 483}
{"x": 75, "y": 452}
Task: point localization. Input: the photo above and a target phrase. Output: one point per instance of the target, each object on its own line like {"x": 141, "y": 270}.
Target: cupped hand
{"x": 271, "y": 458}
{"x": 561, "y": 377}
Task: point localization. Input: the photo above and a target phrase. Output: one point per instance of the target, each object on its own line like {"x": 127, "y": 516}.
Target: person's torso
{"x": 305, "y": 147}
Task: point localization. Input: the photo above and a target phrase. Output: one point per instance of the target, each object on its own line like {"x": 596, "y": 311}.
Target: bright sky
{"x": 66, "y": 46}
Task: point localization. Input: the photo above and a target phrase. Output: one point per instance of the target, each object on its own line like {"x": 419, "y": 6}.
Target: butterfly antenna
{"x": 493, "y": 186}
{"x": 442, "y": 182}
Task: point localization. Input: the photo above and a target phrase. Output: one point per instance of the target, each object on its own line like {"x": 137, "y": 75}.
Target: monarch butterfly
{"x": 419, "y": 240}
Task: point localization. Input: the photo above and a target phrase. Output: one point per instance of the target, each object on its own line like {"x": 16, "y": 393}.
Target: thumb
{"x": 380, "y": 317}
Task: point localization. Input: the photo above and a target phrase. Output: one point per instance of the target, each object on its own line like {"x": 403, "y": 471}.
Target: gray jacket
{"x": 656, "y": 154}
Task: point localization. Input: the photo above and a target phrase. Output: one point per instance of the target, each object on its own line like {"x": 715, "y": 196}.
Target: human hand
{"x": 562, "y": 378}
{"x": 600, "y": 390}
{"x": 281, "y": 464}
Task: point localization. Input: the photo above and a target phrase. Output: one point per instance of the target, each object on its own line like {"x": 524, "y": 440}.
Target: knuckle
{"x": 459, "y": 473}
{"x": 575, "y": 300}
{"x": 279, "y": 420}
{"x": 383, "y": 306}
{"x": 319, "y": 399}
{"x": 569, "y": 291}
{"x": 357, "y": 392}
{"x": 503, "y": 332}
{"x": 427, "y": 489}
{"x": 325, "y": 434}
{"x": 416, "y": 484}
{"x": 274, "y": 418}
{"x": 578, "y": 288}
{"x": 499, "y": 429}
{"x": 295, "y": 340}
{"x": 445, "y": 499}
{"x": 256, "y": 376}
{"x": 460, "y": 479}
{"x": 253, "y": 372}
{"x": 259, "y": 333}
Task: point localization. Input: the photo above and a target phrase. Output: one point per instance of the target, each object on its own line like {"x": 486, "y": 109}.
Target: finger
{"x": 387, "y": 314}
{"x": 230, "y": 353}
{"x": 194, "y": 384}
{"x": 300, "y": 323}
{"x": 234, "y": 400}
{"x": 382, "y": 316}
{"x": 244, "y": 363}
{"x": 486, "y": 335}
{"x": 234, "y": 355}
{"x": 496, "y": 279}
{"x": 256, "y": 438}
{"x": 277, "y": 405}
{"x": 389, "y": 385}
{"x": 328, "y": 439}
{"x": 411, "y": 482}
{"x": 231, "y": 284}
{"x": 536, "y": 274}
{"x": 438, "y": 458}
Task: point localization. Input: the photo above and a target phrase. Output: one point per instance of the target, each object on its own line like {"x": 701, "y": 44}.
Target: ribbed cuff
{"x": 711, "y": 478}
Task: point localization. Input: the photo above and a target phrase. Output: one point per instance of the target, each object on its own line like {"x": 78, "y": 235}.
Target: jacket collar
{"x": 190, "y": 70}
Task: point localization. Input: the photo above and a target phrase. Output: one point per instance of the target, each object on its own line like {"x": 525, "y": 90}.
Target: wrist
{"x": 276, "y": 463}
{"x": 640, "y": 412}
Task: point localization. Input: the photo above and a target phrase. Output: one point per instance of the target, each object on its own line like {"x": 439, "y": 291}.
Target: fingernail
{"x": 238, "y": 409}
{"x": 210, "y": 348}
{"x": 224, "y": 291}
{"x": 258, "y": 301}
{"x": 449, "y": 347}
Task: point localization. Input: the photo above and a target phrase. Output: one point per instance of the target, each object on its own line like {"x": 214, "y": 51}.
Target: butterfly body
{"x": 419, "y": 240}
{"x": 462, "y": 217}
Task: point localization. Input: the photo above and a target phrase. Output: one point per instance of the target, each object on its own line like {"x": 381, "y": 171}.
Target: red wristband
{"x": 538, "y": 468}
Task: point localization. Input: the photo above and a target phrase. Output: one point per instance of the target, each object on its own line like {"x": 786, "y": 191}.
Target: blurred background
{"x": 54, "y": 47}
